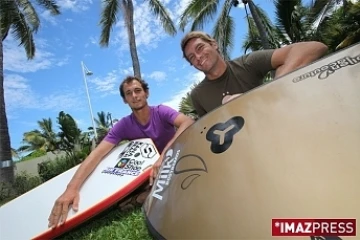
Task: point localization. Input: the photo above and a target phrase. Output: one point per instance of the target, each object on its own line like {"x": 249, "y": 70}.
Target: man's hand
{"x": 155, "y": 170}
{"x": 61, "y": 207}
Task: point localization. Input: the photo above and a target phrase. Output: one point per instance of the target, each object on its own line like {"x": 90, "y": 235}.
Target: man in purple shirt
{"x": 155, "y": 122}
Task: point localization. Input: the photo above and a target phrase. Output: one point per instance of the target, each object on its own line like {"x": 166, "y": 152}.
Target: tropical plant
{"x": 70, "y": 134}
{"x": 342, "y": 28}
{"x": 44, "y": 139}
{"x": 321, "y": 20}
{"x": 21, "y": 19}
{"x": 104, "y": 123}
{"x": 186, "y": 106}
{"x": 109, "y": 14}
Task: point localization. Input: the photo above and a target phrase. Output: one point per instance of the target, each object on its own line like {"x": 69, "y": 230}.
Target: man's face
{"x": 203, "y": 55}
{"x": 135, "y": 95}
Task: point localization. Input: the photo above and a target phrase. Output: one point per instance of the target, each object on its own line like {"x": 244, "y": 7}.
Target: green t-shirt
{"x": 242, "y": 74}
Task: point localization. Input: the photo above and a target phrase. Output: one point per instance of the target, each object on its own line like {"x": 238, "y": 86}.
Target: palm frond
{"x": 206, "y": 14}
{"x": 7, "y": 11}
{"x": 199, "y": 12}
{"x": 160, "y": 11}
{"x": 190, "y": 11}
{"x": 22, "y": 32}
{"x": 30, "y": 14}
{"x": 319, "y": 10}
{"x": 285, "y": 16}
{"x": 352, "y": 38}
{"x": 223, "y": 30}
{"x": 108, "y": 18}
{"x": 50, "y": 5}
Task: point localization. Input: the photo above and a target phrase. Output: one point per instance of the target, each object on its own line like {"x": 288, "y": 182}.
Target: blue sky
{"x": 53, "y": 80}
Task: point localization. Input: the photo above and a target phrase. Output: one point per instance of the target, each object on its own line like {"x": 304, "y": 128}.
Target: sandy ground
{"x": 31, "y": 166}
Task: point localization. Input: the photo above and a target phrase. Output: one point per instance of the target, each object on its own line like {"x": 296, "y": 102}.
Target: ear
{"x": 125, "y": 101}
{"x": 147, "y": 94}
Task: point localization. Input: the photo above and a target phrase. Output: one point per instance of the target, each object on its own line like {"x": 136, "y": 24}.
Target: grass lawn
{"x": 112, "y": 224}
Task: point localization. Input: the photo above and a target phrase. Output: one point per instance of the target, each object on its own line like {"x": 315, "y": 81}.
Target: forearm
{"x": 88, "y": 165}
{"x": 84, "y": 170}
{"x": 301, "y": 54}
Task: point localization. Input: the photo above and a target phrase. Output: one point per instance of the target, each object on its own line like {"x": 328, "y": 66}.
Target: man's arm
{"x": 181, "y": 122}
{"x": 71, "y": 195}
{"x": 89, "y": 164}
{"x": 294, "y": 56}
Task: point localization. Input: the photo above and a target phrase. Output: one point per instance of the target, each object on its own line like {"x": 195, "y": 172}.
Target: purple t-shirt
{"x": 160, "y": 127}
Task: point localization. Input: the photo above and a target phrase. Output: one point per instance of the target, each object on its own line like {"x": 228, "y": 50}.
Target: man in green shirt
{"x": 225, "y": 80}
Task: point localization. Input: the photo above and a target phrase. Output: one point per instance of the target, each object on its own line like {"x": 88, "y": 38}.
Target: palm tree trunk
{"x": 128, "y": 9}
{"x": 6, "y": 164}
{"x": 259, "y": 25}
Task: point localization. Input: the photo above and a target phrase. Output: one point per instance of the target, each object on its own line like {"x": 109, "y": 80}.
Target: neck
{"x": 217, "y": 70}
{"x": 142, "y": 115}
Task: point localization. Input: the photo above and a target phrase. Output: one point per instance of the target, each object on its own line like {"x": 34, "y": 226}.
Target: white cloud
{"x": 20, "y": 95}
{"x": 15, "y": 58}
{"x": 175, "y": 100}
{"x": 179, "y": 7}
{"x": 74, "y": 5}
{"x": 158, "y": 76}
{"x": 46, "y": 15}
{"x": 107, "y": 85}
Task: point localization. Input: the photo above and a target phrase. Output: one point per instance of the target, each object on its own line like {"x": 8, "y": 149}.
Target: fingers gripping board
{"x": 287, "y": 149}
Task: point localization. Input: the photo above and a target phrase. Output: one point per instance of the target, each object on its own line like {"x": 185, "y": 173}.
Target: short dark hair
{"x": 128, "y": 80}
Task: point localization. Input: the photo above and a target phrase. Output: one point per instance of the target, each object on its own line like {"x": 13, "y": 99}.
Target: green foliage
{"x": 52, "y": 168}
{"x": 23, "y": 183}
{"x": 35, "y": 154}
{"x": 69, "y": 132}
{"x": 112, "y": 224}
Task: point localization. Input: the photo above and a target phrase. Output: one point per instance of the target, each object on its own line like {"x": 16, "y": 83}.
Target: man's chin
{"x": 137, "y": 108}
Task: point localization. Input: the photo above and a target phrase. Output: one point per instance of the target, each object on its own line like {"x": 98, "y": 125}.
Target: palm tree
{"x": 70, "y": 134}
{"x": 342, "y": 27}
{"x": 103, "y": 123}
{"x": 44, "y": 139}
{"x": 22, "y": 19}
{"x": 319, "y": 21}
{"x": 199, "y": 12}
{"x": 109, "y": 17}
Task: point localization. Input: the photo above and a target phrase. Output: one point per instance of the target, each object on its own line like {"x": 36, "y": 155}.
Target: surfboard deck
{"x": 123, "y": 170}
{"x": 287, "y": 149}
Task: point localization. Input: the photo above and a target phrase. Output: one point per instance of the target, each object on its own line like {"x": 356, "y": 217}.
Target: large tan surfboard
{"x": 287, "y": 149}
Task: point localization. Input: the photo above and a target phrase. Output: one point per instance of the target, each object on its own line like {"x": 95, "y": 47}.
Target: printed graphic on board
{"x": 221, "y": 135}
{"x": 131, "y": 160}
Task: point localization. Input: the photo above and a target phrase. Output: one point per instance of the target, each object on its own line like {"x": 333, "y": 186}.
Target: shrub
{"x": 52, "y": 168}
{"x": 23, "y": 183}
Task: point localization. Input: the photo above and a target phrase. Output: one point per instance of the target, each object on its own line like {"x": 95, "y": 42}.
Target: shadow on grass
{"x": 112, "y": 224}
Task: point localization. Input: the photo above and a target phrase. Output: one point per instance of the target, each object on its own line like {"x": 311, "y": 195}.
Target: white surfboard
{"x": 124, "y": 169}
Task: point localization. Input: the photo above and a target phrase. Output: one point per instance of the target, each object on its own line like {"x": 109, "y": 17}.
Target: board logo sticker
{"x": 166, "y": 172}
{"x": 328, "y": 69}
{"x": 129, "y": 161}
{"x": 221, "y": 135}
